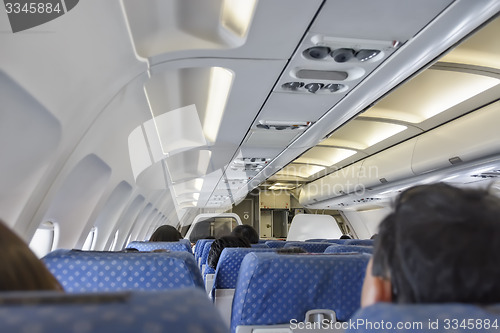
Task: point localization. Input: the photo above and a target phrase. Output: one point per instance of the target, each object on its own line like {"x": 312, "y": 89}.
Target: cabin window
{"x": 45, "y": 238}
{"x": 89, "y": 244}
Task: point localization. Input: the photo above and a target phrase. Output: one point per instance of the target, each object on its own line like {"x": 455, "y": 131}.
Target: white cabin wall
{"x": 109, "y": 214}
{"x": 29, "y": 135}
{"x": 75, "y": 198}
{"x": 127, "y": 219}
{"x": 365, "y": 223}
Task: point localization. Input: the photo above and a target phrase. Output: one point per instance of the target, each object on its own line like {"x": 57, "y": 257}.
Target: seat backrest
{"x": 273, "y": 289}
{"x": 229, "y": 264}
{"x": 199, "y": 248}
{"x": 336, "y": 241}
{"x": 341, "y": 248}
{"x": 94, "y": 271}
{"x": 204, "y": 253}
{"x": 426, "y": 318}
{"x": 185, "y": 310}
{"x": 151, "y": 246}
{"x": 260, "y": 245}
{"x": 276, "y": 244}
{"x": 311, "y": 247}
{"x": 365, "y": 242}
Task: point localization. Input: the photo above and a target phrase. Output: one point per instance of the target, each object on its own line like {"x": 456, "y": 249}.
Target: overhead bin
{"x": 468, "y": 138}
{"x": 388, "y": 166}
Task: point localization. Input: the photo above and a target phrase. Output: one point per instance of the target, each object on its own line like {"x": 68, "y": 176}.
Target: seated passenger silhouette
{"x": 20, "y": 268}
{"x": 165, "y": 233}
{"x": 439, "y": 245}
{"x": 246, "y": 231}
{"x": 220, "y": 244}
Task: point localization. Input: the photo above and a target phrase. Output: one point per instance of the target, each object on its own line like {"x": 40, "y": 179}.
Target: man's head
{"x": 439, "y": 245}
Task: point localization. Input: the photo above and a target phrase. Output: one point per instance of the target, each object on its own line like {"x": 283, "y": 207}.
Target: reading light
{"x": 333, "y": 87}
{"x": 292, "y": 85}
{"x": 342, "y": 55}
{"x": 317, "y": 52}
{"x": 364, "y": 55}
{"x": 313, "y": 87}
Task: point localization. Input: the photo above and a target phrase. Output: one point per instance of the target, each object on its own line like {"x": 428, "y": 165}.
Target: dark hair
{"x": 345, "y": 237}
{"x": 220, "y": 244}
{"x": 165, "y": 233}
{"x": 441, "y": 245}
{"x": 20, "y": 268}
{"x": 246, "y": 231}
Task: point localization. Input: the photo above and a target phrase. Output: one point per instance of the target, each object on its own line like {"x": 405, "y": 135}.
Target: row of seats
{"x": 95, "y": 271}
{"x": 182, "y": 310}
{"x": 182, "y": 245}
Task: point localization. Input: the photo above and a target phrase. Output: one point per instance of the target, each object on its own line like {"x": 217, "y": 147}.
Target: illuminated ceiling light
{"x": 300, "y": 170}
{"x": 191, "y": 186}
{"x": 430, "y": 93}
{"x": 237, "y": 15}
{"x": 282, "y": 186}
{"x": 325, "y": 156}
{"x": 218, "y": 92}
{"x": 361, "y": 134}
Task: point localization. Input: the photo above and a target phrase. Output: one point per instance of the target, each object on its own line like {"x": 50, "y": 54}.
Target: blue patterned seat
{"x": 336, "y": 241}
{"x": 94, "y": 271}
{"x": 364, "y": 242}
{"x": 428, "y": 318}
{"x": 226, "y": 276}
{"x": 151, "y": 246}
{"x": 185, "y": 310}
{"x": 340, "y": 248}
{"x": 260, "y": 245}
{"x": 275, "y": 244}
{"x": 273, "y": 289}
{"x": 204, "y": 254}
{"x": 199, "y": 247}
{"x": 311, "y": 247}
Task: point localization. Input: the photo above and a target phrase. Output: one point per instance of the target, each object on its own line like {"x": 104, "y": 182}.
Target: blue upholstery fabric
{"x": 199, "y": 247}
{"x": 364, "y": 242}
{"x": 275, "y": 244}
{"x": 339, "y": 248}
{"x": 208, "y": 270}
{"x": 260, "y": 245}
{"x": 311, "y": 247}
{"x": 150, "y": 246}
{"x": 438, "y": 315}
{"x": 185, "y": 310}
{"x": 315, "y": 240}
{"x": 336, "y": 241}
{"x": 93, "y": 271}
{"x": 275, "y": 288}
{"x": 229, "y": 264}
{"x": 204, "y": 253}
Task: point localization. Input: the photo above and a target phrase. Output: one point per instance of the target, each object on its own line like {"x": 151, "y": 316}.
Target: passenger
{"x": 439, "y": 245}
{"x": 165, "y": 233}
{"x": 220, "y": 244}
{"x": 345, "y": 237}
{"x": 246, "y": 231}
{"x": 20, "y": 269}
